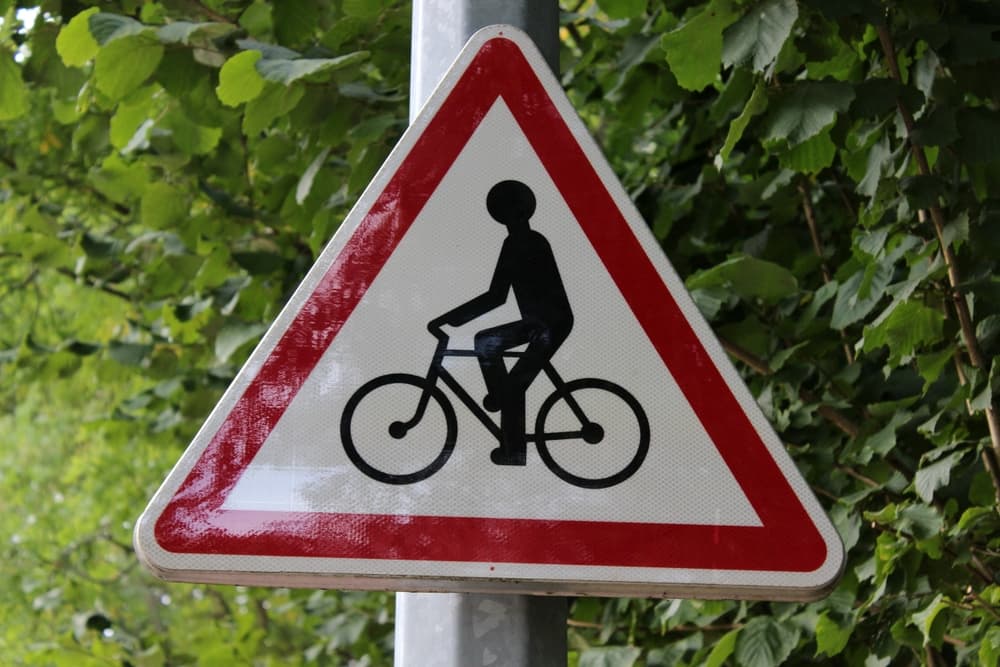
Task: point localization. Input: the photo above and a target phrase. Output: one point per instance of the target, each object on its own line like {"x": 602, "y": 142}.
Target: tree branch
{"x": 91, "y": 281}
{"x": 829, "y": 413}
{"x": 204, "y": 10}
{"x": 810, "y": 214}
{"x": 991, "y": 457}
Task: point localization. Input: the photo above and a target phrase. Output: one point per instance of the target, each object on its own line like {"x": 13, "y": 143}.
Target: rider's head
{"x": 511, "y": 202}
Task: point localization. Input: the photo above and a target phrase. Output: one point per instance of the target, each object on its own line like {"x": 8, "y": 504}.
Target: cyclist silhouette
{"x": 527, "y": 266}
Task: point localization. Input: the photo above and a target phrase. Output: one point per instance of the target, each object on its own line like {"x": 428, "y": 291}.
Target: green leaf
{"x": 239, "y": 80}
{"x": 119, "y": 180}
{"x": 722, "y": 649}
{"x": 233, "y": 336}
{"x": 733, "y": 97}
{"x": 620, "y": 9}
{"x": 838, "y": 65}
{"x": 924, "y": 619}
{"x": 256, "y": 19}
{"x": 909, "y": 326}
{"x": 694, "y": 50}
{"x": 296, "y": 21}
{"x": 985, "y": 397}
{"x": 287, "y": 72}
{"x": 610, "y": 656}
{"x": 162, "y": 206}
{"x": 309, "y": 175}
{"x": 269, "y": 51}
{"x": 860, "y": 293}
{"x": 129, "y": 117}
{"x": 884, "y": 440}
{"x": 757, "y": 38}
{"x": 128, "y": 354}
{"x": 989, "y": 649}
{"x": 935, "y": 476}
{"x": 13, "y": 92}
{"x": 879, "y": 159}
{"x": 749, "y": 277}
{"x": 931, "y": 365}
{"x": 75, "y": 45}
{"x": 275, "y": 101}
{"x": 186, "y": 32}
{"x": 107, "y": 27}
{"x": 810, "y": 156}
{"x": 956, "y": 232}
{"x": 190, "y": 137}
{"x": 124, "y": 64}
{"x": 764, "y": 642}
{"x": 369, "y": 9}
{"x": 806, "y": 109}
{"x": 755, "y": 105}
{"x": 831, "y": 637}
{"x": 988, "y": 330}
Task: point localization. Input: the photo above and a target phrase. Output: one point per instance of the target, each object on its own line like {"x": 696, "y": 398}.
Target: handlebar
{"x": 434, "y": 326}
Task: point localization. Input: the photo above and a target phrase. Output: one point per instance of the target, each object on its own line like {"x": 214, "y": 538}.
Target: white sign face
{"x": 492, "y": 379}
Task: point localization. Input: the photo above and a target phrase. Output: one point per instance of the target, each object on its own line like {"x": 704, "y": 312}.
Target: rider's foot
{"x": 491, "y": 403}
{"x": 503, "y": 456}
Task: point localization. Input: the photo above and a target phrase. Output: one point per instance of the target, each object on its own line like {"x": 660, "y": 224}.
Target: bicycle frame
{"x": 438, "y": 371}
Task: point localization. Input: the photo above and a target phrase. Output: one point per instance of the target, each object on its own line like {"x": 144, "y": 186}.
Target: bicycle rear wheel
{"x": 592, "y": 433}
{"x": 380, "y": 441}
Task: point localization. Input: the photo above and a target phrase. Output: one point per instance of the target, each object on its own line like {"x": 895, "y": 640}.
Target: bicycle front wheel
{"x": 383, "y": 439}
{"x": 592, "y": 433}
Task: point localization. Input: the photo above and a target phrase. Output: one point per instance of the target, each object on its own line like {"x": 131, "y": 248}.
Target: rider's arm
{"x": 492, "y": 298}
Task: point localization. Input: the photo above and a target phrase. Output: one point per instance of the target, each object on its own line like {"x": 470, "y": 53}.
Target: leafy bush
{"x": 825, "y": 174}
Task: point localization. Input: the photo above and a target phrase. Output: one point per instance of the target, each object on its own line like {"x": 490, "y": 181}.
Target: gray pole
{"x": 441, "y": 28}
{"x": 466, "y": 629}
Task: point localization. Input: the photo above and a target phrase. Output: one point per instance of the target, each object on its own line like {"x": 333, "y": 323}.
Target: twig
{"x": 868, "y": 481}
{"x": 747, "y": 357}
{"x": 829, "y": 413}
{"x": 984, "y": 604}
{"x": 201, "y": 8}
{"x": 810, "y": 214}
{"x": 91, "y": 281}
{"x": 991, "y": 457}
{"x": 837, "y": 418}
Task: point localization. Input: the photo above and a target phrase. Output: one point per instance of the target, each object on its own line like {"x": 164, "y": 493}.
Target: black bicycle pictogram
{"x": 526, "y": 267}
{"x": 627, "y": 431}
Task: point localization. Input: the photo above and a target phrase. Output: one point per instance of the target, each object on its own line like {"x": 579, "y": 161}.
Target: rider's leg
{"x": 541, "y": 347}
{"x": 490, "y": 345}
{"x": 513, "y": 447}
{"x": 531, "y": 362}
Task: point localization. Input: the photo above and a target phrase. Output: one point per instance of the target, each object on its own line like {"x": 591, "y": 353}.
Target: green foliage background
{"x": 824, "y": 173}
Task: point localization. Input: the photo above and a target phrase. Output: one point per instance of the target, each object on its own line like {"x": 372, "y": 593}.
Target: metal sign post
{"x": 460, "y": 629}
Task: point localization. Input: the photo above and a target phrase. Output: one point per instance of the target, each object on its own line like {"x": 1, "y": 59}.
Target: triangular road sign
{"x": 353, "y": 449}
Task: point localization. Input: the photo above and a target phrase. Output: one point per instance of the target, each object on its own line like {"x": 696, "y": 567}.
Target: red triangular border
{"x": 195, "y": 522}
